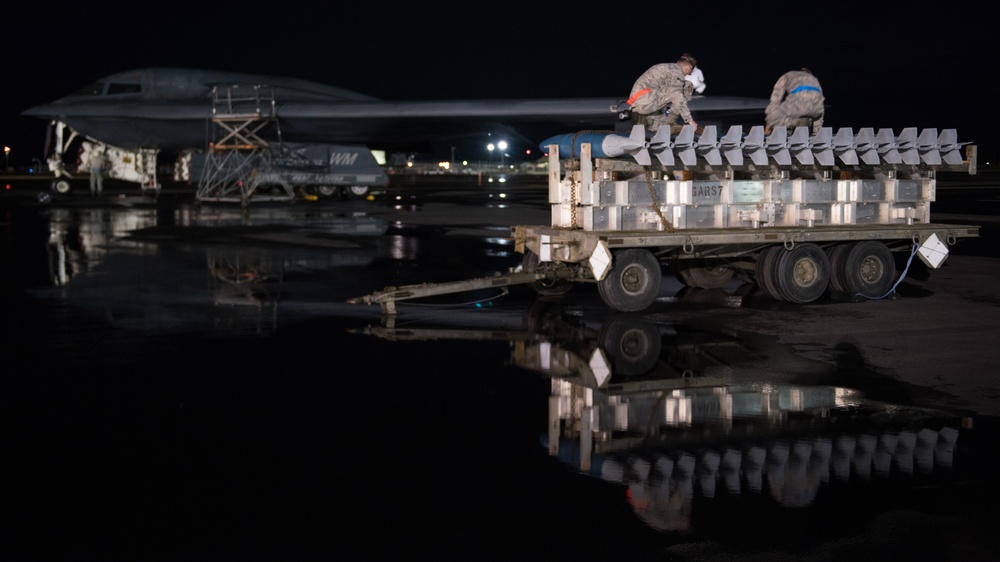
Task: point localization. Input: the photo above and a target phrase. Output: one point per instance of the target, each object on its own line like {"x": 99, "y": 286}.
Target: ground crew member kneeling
{"x": 796, "y": 95}
{"x": 662, "y": 85}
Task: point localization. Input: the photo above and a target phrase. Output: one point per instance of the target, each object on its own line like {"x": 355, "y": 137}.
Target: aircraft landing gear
{"x": 346, "y": 191}
{"x": 356, "y": 191}
{"x": 61, "y": 186}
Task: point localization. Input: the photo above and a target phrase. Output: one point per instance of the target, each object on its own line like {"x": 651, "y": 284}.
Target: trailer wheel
{"x": 327, "y": 191}
{"x": 835, "y": 254}
{"x": 765, "y": 274}
{"x": 633, "y": 282}
{"x": 803, "y": 273}
{"x": 357, "y": 191}
{"x": 702, "y": 274}
{"x": 62, "y": 186}
{"x": 868, "y": 269}
{"x": 545, "y": 287}
{"x": 633, "y": 345}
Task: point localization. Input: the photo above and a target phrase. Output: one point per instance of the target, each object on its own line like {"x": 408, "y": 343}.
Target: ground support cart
{"x": 805, "y": 218}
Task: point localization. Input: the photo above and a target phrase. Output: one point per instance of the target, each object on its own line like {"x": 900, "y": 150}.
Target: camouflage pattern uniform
{"x": 661, "y": 85}
{"x": 96, "y": 172}
{"x": 796, "y": 95}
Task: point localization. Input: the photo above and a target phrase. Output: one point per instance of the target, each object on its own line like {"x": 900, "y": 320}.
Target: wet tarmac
{"x": 187, "y": 381}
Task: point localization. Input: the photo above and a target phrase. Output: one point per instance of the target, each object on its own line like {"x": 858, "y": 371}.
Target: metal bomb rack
{"x": 687, "y": 148}
{"x": 750, "y": 181}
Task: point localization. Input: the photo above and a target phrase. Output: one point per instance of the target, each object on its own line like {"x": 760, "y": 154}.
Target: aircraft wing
{"x": 170, "y": 109}
{"x": 180, "y": 125}
{"x": 168, "y": 125}
{"x": 365, "y": 121}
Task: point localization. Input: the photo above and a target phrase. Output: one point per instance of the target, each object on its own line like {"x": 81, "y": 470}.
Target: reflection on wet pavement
{"x": 236, "y": 384}
{"x": 676, "y": 417}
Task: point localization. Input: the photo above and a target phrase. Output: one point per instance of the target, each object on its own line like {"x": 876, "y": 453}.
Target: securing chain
{"x": 656, "y": 203}
{"x": 649, "y": 183}
{"x": 572, "y": 197}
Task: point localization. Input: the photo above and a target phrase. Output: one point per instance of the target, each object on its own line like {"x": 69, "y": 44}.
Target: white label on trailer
{"x": 933, "y": 252}
{"x": 600, "y": 260}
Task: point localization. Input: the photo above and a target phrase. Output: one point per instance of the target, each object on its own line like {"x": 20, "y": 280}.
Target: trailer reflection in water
{"x": 675, "y": 417}
{"x": 666, "y": 446}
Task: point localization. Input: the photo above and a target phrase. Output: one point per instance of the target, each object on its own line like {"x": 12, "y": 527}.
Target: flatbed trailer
{"x": 797, "y": 215}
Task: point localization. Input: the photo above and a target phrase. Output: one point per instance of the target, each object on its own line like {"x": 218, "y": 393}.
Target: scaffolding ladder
{"x": 239, "y": 156}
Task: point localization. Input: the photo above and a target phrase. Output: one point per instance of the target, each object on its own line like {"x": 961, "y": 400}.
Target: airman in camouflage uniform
{"x": 662, "y": 85}
{"x": 796, "y": 96}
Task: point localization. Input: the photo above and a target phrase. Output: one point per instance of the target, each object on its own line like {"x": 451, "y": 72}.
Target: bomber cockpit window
{"x": 92, "y": 89}
{"x": 123, "y": 88}
{"x": 97, "y": 89}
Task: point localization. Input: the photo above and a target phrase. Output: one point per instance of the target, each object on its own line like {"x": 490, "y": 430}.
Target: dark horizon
{"x": 876, "y": 69}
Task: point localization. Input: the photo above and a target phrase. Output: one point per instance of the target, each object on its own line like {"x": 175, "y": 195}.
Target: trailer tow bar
{"x": 388, "y": 297}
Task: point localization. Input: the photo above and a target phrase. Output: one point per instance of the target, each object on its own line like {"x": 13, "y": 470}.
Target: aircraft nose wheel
{"x": 61, "y": 186}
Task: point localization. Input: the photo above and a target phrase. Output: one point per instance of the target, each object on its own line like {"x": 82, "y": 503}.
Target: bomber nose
{"x": 44, "y": 110}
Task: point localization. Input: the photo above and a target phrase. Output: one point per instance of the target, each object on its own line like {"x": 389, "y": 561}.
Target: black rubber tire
{"x": 633, "y": 346}
{"x": 633, "y": 282}
{"x": 765, "y": 275}
{"x": 803, "y": 273}
{"x": 327, "y": 191}
{"x": 702, "y": 274}
{"x": 62, "y": 186}
{"x": 680, "y": 272}
{"x": 835, "y": 255}
{"x": 356, "y": 191}
{"x": 544, "y": 287}
{"x": 869, "y": 269}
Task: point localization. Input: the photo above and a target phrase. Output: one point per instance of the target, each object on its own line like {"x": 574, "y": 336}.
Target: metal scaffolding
{"x": 239, "y": 154}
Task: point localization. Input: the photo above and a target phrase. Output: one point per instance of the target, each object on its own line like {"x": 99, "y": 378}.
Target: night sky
{"x": 882, "y": 65}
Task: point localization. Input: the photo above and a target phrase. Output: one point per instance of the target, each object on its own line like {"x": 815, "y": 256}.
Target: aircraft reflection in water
{"x": 115, "y": 260}
{"x": 672, "y": 415}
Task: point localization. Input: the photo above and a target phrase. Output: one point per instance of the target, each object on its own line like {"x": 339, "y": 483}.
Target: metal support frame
{"x": 239, "y": 156}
